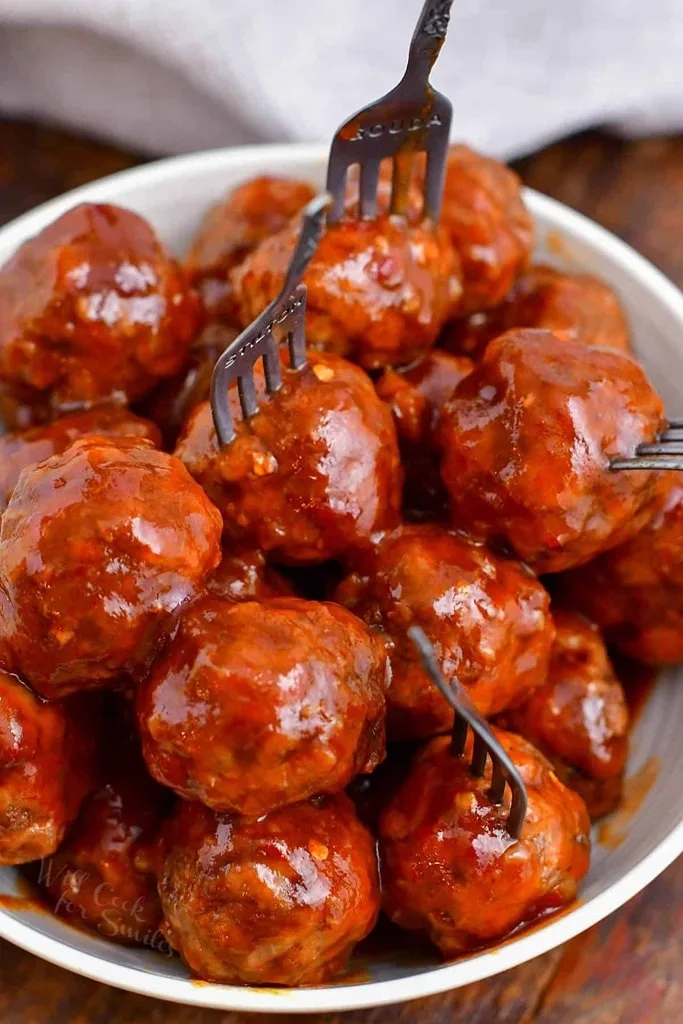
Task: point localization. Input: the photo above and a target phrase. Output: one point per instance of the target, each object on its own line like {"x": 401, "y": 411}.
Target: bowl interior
{"x": 638, "y": 842}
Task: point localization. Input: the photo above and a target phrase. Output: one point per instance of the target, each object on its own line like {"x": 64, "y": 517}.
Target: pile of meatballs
{"x": 215, "y": 734}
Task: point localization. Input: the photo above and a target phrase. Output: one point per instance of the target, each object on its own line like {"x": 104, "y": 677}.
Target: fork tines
{"x": 666, "y": 452}
{"x": 412, "y": 118}
{"x": 485, "y": 743}
{"x": 283, "y": 319}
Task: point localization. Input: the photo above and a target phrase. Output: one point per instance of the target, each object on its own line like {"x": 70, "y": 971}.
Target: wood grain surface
{"x": 628, "y": 969}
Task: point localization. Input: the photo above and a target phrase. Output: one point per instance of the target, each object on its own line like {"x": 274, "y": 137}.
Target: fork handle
{"x": 428, "y": 38}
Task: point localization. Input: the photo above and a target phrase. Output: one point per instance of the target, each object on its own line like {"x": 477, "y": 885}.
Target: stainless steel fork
{"x": 412, "y": 118}
{"x": 485, "y": 743}
{"x": 284, "y": 317}
{"x": 665, "y": 452}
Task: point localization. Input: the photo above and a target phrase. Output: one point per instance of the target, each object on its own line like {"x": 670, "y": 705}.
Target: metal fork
{"x": 413, "y": 117}
{"x": 485, "y": 743}
{"x": 666, "y": 452}
{"x": 286, "y": 316}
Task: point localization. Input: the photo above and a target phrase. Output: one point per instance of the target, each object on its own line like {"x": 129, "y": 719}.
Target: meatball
{"x": 243, "y": 575}
{"x": 313, "y": 475}
{"x": 527, "y": 440}
{"x": 579, "y": 717}
{"x": 281, "y": 900}
{"x": 635, "y": 591}
{"x": 25, "y": 448}
{"x": 233, "y": 227}
{"x": 487, "y": 616}
{"x": 489, "y": 226}
{"x": 94, "y": 307}
{"x": 379, "y": 291}
{"x": 449, "y": 866}
{"x": 257, "y": 705}
{"x": 99, "y": 875}
{"x": 47, "y": 767}
{"x": 100, "y": 547}
{"x": 576, "y": 306}
{"x": 416, "y": 395}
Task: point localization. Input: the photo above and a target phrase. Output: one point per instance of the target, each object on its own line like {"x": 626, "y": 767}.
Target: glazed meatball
{"x": 488, "y": 224}
{"x": 487, "y": 617}
{"x": 234, "y": 227}
{"x": 95, "y": 878}
{"x": 379, "y": 291}
{"x": 257, "y": 705}
{"x": 47, "y": 767}
{"x": 635, "y": 591}
{"x": 416, "y": 395}
{"x": 313, "y": 475}
{"x": 527, "y": 440}
{"x": 25, "y": 448}
{"x": 94, "y": 307}
{"x": 449, "y": 865}
{"x": 244, "y": 575}
{"x": 172, "y": 401}
{"x": 281, "y": 900}
{"x": 576, "y": 306}
{"x": 579, "y": 717}
{"x": 100, "y": 547}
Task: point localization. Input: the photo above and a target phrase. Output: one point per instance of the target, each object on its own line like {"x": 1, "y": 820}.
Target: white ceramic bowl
{"x": 173, "y": 195}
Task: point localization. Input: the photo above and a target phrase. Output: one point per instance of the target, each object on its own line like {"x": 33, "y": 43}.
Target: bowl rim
{"x": 475, "y": 968}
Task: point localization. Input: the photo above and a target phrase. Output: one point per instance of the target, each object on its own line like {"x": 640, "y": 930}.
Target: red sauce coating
{"x": 257, "y": 705}
{"x": 233, "y": 227}
{"x": 379, "y": 291}
{"x": 527, "y": 440}
{"x": 488, "y": 224}
{"x": 280, "y": 901}
{"x": 313, "y": 475}
{"x": 449, "y": 865}
{"x": 99, "y": 876}
{"x": 21, "y": 449}
{"x": 100, "y": 547}
{"x": 244, "y": 575}
{"x": 578, "y": 718}
{"x": 94, "y": 307}
{"x": 173, "y": 400}
{"x": 576, "y": 306}
{"x": 487, "y": 617}
{"x": 416, "y": 394}
{"x": 635, "y": 591}
{"x": 48, "y": 765}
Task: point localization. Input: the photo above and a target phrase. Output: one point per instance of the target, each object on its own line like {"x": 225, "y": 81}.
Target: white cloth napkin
{"x": 177, "y": 75}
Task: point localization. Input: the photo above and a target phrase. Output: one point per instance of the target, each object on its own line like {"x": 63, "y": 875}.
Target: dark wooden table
{"x": 629, "y": 968}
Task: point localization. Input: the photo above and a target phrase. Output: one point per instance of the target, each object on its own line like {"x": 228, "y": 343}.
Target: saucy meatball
{"x": 635, "y": 591}
{"x": 449, "y": 865}
{"x": 579, "y": 717}
{"x": 489, "y": 226}
{"x": 99, "y": 875}
{"x": 257, "y": 705}
{"x": 100, "y": 547}
{"x": 233, "y": 227}
{"x": 313, "y": 475}
{"x": 94, "y": 307}
{"x": 379, "y": 291}
{"x": 576, "y": 306}
{"x": 416, "y": 394}
{"x": 21, "y": 449}
{"x": 47, "y": 767}
{"x": 487, "y": 617}
{"x": 527, "y": 440}
{"x": 244, "y": 575}
{"x": 173, "y": 400}
{"x": 281, "y": 900}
